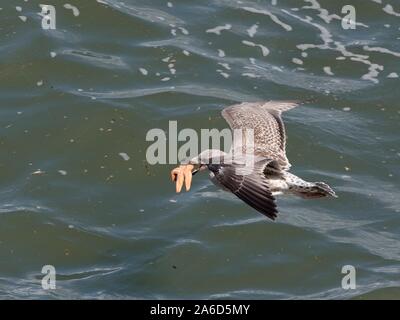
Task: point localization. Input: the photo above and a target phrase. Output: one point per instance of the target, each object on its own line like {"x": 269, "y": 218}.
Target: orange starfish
{"x": 182, "y": 174}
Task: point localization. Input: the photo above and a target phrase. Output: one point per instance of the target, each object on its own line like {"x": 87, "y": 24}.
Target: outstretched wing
{"x": 248, "y": 184}
{"x": 264, "y": 118}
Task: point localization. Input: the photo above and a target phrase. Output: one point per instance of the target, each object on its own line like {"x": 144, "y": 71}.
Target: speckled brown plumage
{"x": 269, "y": 131}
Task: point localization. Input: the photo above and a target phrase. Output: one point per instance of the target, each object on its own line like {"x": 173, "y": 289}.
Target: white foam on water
{"x": 144, "y": 12}
{"x": 222, "y": 73}
{"x": 225, "y": 65}
{"x": 273, "y": 17}
{"x": 381, "y": 50}
{"x": 252, "y": 30}
{"x": 183, "y": 30}
{"x": 393, "y": 75}
{"x": 328, "y": 70}
{"x": 297, "y": 61}
{"x": 264, "y": 49}
{"x": 124, "y": 156}
{"x": 277, "y": 68}
{"x": 250, "y": 75}
{"x": 221, "y": 53}
{"x": 217, "y": 30}
{"x": 373, "y": 69}
{"x": 330, "y": 44}
{"x": 38, "y": 172}
{"x": 143, "y": 71}
{"x": 75, "y": 10}
{"x": 389, "y": 10}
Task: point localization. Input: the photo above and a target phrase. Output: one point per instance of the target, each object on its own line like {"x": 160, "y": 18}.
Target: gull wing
{"x": 248, "y": 184}
{"x": 264, "y": 118}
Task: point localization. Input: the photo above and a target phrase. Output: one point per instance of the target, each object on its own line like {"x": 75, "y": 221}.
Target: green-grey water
{"x": 75, "y": 98}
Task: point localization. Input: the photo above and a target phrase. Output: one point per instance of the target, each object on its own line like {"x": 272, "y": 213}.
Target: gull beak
{"x": 197, "y": 169}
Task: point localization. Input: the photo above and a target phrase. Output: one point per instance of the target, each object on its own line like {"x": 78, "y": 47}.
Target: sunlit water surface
{"x": 77, "y": 193}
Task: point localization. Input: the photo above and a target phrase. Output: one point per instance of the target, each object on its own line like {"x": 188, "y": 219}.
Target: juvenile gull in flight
{"x": 255, "y": 182}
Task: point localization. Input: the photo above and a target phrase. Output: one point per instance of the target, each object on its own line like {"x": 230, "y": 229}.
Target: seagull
{"x": 261, "y": 171}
